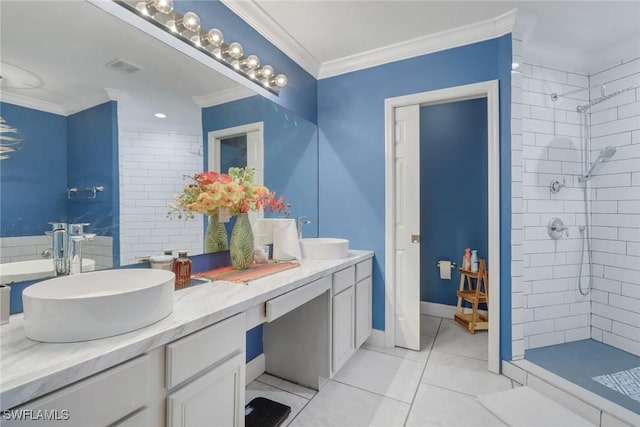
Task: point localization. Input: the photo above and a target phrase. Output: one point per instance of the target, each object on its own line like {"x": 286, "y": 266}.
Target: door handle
{"x": 415, "y": 238}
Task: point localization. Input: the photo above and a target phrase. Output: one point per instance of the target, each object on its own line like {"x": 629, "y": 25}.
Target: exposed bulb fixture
{"x": 281, "y": 80}
{"x": 214, "y": 38}
{"x": 235, "y": 50}
{"x": 211, "y": 42}
{"x": 152, "y": 7}
{"x": 163, "y": 6}
{"x": 252, "y": 62}
{"x": 191, "y": 21}
{"x": 267, "y": 71}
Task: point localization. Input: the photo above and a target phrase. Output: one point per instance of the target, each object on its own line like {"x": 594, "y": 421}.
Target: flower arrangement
{"x": 235, "y": 192}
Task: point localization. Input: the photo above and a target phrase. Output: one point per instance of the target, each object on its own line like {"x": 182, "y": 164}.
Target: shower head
{"x": 605, "y": 155}
{"x": 604, "y": 97}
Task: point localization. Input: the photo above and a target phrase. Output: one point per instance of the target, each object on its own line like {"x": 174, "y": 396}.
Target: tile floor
{"x": 436, "y": 386}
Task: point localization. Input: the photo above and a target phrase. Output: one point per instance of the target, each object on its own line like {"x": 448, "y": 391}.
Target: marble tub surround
{"x": 31, "y": 369}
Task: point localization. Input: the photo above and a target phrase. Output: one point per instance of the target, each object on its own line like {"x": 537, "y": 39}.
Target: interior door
{"x": 407, "y": 227}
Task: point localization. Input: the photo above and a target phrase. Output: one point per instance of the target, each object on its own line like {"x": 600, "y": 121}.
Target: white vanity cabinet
{"x": 107, "y": 398}
{"x": 350, "y": 311}
{"x": 205, "y": 376}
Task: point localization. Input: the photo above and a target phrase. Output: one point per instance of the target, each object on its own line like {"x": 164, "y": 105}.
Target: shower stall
{"x": 576, "y": 310}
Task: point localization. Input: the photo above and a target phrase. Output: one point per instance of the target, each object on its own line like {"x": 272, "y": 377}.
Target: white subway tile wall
{"x": 152, "y": 169}
{"x": 29, "y": 248}
{"x": 548, "y": 309}
{"x": 24, "y": 248}
{"x": 615, "y": 311}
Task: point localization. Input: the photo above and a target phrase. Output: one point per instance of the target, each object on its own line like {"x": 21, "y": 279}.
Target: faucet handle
{"x": 78, "y": 228}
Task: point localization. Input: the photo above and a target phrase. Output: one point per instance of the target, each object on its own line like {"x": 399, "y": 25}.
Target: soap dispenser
{"x": 182, "y": 269}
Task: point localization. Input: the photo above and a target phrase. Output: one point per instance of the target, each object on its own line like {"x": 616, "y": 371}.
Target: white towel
{"x": 285, "y": 240}
{"x": 263, "y": 232}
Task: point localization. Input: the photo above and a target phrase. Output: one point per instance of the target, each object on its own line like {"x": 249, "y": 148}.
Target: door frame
{"x": 214, "y": 138}
{"x": 488, "y": 90}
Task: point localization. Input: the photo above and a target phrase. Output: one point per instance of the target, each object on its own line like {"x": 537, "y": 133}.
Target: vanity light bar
{"x": 187, "y": 28}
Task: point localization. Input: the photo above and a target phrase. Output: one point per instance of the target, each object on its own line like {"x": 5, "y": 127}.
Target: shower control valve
{"x": 556, "y": 185}
{"x": 556, "y": 228}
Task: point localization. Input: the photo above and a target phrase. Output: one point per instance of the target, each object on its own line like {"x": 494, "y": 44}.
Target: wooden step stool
{"x": 474, "y": 295}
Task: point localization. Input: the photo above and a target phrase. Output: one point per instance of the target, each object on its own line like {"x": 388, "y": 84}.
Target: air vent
{"x": 123, "y": 66}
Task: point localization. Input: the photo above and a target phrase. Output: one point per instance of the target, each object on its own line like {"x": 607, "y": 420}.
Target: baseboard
{"x": 255, "y": 368}
{"x": 438, "y": 310}
{"x": 442, "y": 310}
{"x": 377, "y": 338}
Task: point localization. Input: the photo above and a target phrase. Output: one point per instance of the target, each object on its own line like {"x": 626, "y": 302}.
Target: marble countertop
{"x": 29, "y": 369}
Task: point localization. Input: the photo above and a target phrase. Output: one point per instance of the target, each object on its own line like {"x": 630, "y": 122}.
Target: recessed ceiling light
{"x": 160, "y": 115}
{"x": 514, "y": 65}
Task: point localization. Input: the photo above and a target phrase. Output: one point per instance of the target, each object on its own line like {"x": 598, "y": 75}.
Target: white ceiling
{"x": 66, "y": 63}
{"x": 576, "y": 32}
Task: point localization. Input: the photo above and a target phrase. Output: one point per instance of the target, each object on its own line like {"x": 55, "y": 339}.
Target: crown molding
{"x": 28, "y": 102}
{"x": 472, "y": 33}
{"x": 82, "y": 104}
{"x": 250, "y": 12}
{"x": 223, "y": 96}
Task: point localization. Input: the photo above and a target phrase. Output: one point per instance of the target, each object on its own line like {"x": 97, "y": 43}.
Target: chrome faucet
{"x": 60, "y": 247}
{"x": 76, "y": 237}
{"x": 300, "y": 221}
{"x": 67, "y": 246}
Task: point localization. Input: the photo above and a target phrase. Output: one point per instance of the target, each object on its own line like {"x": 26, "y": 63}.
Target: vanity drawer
{"x": 364, "y": 269}
{"x": 200, "y": 350}
{"x": 98, "y": 400}
{"x": 283, "y": 304}
{"x": 344, "y": 279}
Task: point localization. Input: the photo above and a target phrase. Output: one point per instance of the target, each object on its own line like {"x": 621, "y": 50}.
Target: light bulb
{"x": 163, "y": 6}
{"x": 214, "y": 37}
{"x": 267, "y": 71}
{"x": 191, "y": 21}
{"x": 252, "y": 62}
{"x": 281, "y": 80}
{"x": 235, "y": 50}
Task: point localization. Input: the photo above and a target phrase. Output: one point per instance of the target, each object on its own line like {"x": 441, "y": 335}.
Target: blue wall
{"x": 300, "y": 95}
{"x": 59, "y": 152}
{"x": 351, "y": 151}
{"x": 33, "y": 182}
{"x": 453, "y": 191}
{"x": 290, "y": 150}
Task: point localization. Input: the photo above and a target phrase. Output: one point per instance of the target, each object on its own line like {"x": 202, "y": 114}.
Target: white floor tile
{"x": 299, "y": 390}
{"x": 380, "y": 373}
{"x": 258, "y": 389}
{"x": 429, "y": 325}
{"x": 525, "y": 407}
{"x": 341, "y": 405}
{"x": 453, "y": 338}
{"x": 463, "y": 374}
{"x": 435, "y": 407}
{"x": 420, "y": 356}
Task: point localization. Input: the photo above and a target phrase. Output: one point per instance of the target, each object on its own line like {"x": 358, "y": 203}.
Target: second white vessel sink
{"x": 324, "y": 248}
{"x": 33, "y": 270}
{"x": 96, "y": 305}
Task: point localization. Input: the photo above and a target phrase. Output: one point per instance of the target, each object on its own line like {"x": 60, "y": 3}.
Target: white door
{"x": 407, "y": 226}
{"x": 255, "y": 153}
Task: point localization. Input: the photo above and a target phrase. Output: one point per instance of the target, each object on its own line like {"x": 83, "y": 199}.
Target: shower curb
{"x": 585, "y": 403}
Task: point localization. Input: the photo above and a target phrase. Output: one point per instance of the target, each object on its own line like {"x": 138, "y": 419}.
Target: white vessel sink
{"x": 33, "y": 270}
{"x": 324, "y": 248}
{"x": 95, "y": 305}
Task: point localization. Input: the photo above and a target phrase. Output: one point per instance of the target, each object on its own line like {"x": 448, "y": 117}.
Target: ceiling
{"x": 63, "y": 66}
{"x": 320, "y": 32}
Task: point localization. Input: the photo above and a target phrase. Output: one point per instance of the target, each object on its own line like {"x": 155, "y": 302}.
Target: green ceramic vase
{"x": 242, "y": 243}
{"x": 215, "y": 238}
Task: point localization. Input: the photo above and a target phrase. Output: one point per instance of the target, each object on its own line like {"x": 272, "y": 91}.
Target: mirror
{"x": 94, "y": 151}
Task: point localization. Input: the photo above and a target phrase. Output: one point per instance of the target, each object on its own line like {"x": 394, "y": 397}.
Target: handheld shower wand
{"x": 604, "y": 156}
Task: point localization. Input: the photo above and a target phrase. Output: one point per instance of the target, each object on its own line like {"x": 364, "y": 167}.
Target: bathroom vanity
{"x": 189, "y": 368}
